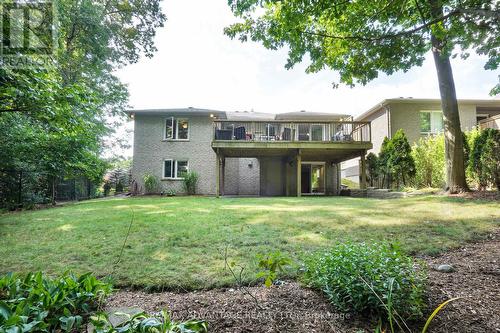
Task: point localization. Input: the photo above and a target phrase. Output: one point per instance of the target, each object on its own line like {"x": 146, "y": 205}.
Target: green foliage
{"x": 270, "y": 265}
{"x": 355, "y": 275}
{"x": 428, "y": 154}
{"x": 190, "y": 181}
{"x": 57, "y": 120}
{"x": 36, "y": 303}
{"x": 106, "y": 187}
{"x": 401, "y": 160}
{"x": 151, "y": 183}
{"x": 119, "y": 187}
{"x": 143, "y": 323}
{"x": 372, "y": 167}
{"x": 359, "y": 39}
{"x": 395, "y": 160}
{"x": 170, "y": 193}
{"x": 384, "y": 161}
{"x": 484, "y": 161}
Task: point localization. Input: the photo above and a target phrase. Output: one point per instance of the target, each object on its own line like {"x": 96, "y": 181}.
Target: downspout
{"x": 389, "y": 128}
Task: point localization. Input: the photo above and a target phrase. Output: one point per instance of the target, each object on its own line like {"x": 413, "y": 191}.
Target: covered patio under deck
{"x": 295, "y": 158}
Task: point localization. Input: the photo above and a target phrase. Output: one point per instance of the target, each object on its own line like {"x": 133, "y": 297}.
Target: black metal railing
{"x": 339, "y": 131}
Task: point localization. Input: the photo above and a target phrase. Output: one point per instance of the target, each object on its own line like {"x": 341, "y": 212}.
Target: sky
{"x": 197, "y": 65}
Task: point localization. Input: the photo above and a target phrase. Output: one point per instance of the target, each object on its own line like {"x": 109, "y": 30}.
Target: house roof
{"x": 244, "y": 115}
{"x": 410, "y": 100}
{"x": 306, "y": 115}
{"x": 248, "y": 115}
{"x": 180, "y": 111}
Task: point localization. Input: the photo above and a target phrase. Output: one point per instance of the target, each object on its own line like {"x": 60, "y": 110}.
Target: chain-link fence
{"x": 24, "y": 189}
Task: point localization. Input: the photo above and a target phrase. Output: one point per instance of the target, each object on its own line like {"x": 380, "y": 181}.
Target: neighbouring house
{"x": 418, "y": 118}
{"x": 246, "y": 153}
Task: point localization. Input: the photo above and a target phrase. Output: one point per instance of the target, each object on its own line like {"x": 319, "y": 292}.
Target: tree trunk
{"x": 454, "y": 146}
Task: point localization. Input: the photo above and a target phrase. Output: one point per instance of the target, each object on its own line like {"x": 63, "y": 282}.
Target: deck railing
{"x": 338, "y": 131}
{"x": 492, "y": 122}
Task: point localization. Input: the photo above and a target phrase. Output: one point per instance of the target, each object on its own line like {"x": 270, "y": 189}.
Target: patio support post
{"x": 363, "y": 171}
{"x": 223, "y": 171}
{"x": 299, "y": 174}
{"x": 217, "y": 174}
{"x": 287, "y": 178}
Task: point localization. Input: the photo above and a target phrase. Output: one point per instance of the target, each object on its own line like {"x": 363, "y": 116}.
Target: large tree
{"x": 54, "y": 119}
{"x": 361, "y": 38}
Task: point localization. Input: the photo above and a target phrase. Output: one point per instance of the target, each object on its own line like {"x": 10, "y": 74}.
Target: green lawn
{"x": 176, "y": 242}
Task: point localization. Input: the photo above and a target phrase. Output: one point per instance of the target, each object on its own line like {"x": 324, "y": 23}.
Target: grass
{"x": 176, "y": 242}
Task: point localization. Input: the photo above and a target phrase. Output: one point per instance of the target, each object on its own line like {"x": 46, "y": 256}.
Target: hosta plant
{"x": 37, "y": 303}
{"x": 144, "y": 323}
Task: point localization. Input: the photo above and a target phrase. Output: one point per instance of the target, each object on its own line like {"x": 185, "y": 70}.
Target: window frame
{"x": 175, "y": 129}
{"x": 174, "y": 168}
{"x": 171, "y": 168}
{"x": 430, "y": 132}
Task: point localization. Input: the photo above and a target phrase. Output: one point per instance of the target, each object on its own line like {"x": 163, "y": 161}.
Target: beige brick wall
{"x": 242, "y": 176}
{"x": 407, "y": 117}
{"x": 150, "y": 150}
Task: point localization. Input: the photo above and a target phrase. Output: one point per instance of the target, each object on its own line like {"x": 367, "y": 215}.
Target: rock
{"x": 445, "y": 268}
{"x": 118, "y": 316}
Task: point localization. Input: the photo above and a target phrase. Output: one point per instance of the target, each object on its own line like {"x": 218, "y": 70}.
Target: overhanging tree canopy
{"x": 360, "y": 39}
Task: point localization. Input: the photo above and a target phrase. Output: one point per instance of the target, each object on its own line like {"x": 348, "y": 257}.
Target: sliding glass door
{"x": 313, "y": 178}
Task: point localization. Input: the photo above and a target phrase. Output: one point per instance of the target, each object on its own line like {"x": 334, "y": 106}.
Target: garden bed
{"x": 292, "y": 308}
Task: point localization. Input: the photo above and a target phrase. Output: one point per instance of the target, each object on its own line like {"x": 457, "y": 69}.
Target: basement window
{"x": 173, "y": 169}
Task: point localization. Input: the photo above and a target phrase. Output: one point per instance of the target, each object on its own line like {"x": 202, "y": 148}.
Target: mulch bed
{"x": 479, "y": 195}
{"x": 291, "y": 307}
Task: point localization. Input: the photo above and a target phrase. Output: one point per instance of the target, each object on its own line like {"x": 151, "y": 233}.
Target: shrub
{"x": 151, "y": 183}
{"x": 401, "y": 160}
{"x": 484, "y": 159}
{"x": 36, "y": 303}
{"x": 383, "y": 162}
{"x": 428, "y": 154}
{"x": 357, "y": 277}
{"x": 270, "y": 265}
{"x": 189, "y": 182}
{"x": 119, "y": 187}
{"x": 372, "y": 167}
{"x": 106, "y": 187}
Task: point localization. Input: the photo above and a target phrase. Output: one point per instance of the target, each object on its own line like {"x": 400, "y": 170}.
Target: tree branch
{"x": 387, "y": 36}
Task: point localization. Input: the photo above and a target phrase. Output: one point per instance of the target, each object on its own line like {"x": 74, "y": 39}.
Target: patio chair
{"x": 287, "y": 134}
{"x": 223, "y": 134}
{"x": 240, "y": 133}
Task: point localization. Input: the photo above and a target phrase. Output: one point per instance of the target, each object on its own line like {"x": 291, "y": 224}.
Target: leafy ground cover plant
{"x": 145, "y": 323}
{"x": 270, "y": 265}
{"x": 37, "y": 303}
{"x": 363, "y": 278}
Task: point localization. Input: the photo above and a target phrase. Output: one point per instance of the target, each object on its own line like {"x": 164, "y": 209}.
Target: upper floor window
{"x": 176, "y": 129}
{"x": 431, "y": 122}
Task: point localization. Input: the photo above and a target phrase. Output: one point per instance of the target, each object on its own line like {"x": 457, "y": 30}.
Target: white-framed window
{"x": 176, "y": 129}
{"x": 175, "y": 169}
{"x": 431, "y": 122}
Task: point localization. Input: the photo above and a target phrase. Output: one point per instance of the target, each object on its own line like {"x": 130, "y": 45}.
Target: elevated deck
{"x": 335, "y": 141}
